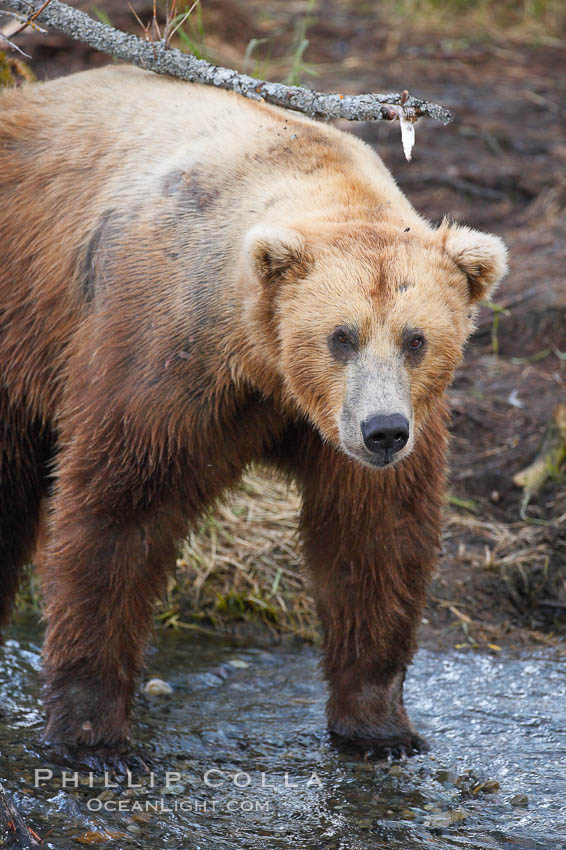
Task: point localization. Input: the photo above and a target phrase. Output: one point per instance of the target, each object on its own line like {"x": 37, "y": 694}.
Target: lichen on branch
{"x": 158, "y": 57}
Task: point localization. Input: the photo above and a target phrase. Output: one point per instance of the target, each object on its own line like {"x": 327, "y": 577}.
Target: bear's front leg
{"x": 112, "y": 539}
{"x": 371, "y": 539}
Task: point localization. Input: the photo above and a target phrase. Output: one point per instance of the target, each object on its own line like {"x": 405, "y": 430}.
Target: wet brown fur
{"x": 146, "y": 361}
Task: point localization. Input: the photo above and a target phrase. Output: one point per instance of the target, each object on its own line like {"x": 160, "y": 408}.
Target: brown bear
{"x": 191, "y": 282}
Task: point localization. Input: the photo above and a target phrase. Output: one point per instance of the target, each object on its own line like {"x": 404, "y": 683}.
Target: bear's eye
{"x": 414, "y": 343}
{"x": 342, "y": 342}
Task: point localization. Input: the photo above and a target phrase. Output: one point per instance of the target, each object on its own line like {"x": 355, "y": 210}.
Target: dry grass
{"x": 244, "y": 563}
{"x": 515, "y": 545}
{"x": 506, "y": 573}
{"x": 508, "y": 21}
{"x": 504, "y": 547}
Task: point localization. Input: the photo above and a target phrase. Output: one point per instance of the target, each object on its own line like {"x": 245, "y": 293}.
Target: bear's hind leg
{"x": 105, "y": 568}
{"x": 25, "y": 451}
{"x": 117, "y": 513}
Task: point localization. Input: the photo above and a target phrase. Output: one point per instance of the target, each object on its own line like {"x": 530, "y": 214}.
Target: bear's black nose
{"x": 385, "y": 434}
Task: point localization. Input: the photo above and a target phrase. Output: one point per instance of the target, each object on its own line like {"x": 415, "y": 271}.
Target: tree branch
{"x": 18, "y": 834}
{"x": 156, "y": 56}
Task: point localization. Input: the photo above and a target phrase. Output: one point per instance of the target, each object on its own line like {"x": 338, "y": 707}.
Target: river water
{"x": 243, "y": 740}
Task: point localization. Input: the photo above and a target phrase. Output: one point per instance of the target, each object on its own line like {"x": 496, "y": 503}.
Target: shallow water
{"x": 254, "y": 718}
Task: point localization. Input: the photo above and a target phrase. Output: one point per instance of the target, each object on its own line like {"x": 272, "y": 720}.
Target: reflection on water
{"x": 254, "y": 720}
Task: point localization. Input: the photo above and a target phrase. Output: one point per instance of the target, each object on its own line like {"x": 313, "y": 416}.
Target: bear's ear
{"x": 481, "y": 256}
{"x": 276, "y": 253}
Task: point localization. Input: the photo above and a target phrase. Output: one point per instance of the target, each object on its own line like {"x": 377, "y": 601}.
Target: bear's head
{"x": 365, "y": 323}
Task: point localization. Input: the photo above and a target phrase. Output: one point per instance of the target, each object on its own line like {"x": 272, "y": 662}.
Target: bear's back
{"x": 120, "y": 125}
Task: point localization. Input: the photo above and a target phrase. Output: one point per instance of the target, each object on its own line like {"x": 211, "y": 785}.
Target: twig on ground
{"x": 19, "y": 833}
{"x": 547, "y": 463}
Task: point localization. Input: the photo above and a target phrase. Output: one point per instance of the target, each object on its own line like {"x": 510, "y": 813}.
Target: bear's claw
{"x": 389, "y": 749}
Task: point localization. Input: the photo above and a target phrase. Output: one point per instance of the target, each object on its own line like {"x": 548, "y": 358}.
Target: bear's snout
{"x": 384, "y": 435}
{"x": 376, "y": 420}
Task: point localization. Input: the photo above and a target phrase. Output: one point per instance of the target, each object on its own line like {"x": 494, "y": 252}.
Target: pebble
{"x": 105, "y": 795}
{"x": 520, "y": 801}
{"x": 446, "y": 819}
{"x": 408, "y": 814}
{"x": 446, "y": 777}
{"x": 173, "y": 789}
{"x": 158, "y": 688}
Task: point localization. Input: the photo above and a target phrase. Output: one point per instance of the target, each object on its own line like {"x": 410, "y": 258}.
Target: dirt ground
{"x": 501, "y": 166}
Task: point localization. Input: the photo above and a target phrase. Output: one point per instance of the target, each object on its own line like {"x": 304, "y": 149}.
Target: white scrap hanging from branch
{"x": 157, "y": 56}
{"x": 407, "y": 120}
